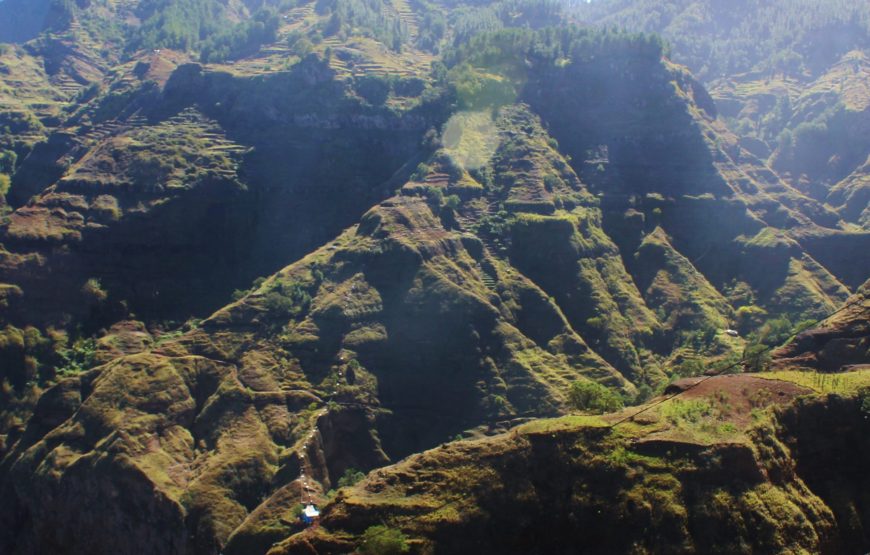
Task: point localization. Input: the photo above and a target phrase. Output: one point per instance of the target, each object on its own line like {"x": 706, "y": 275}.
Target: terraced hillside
{"x": 697, "y": 473}
{"x": 790, "y": 78}
{"x": 241, "y": 269}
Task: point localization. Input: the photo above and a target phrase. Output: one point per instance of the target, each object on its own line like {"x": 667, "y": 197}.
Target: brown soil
{"x": 743, "y": 392}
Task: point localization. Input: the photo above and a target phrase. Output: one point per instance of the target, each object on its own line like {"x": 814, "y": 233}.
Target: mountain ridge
{"x": 227, "y": 283}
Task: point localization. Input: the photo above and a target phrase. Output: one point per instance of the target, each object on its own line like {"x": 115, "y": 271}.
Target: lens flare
{"x": 470, "y": 138}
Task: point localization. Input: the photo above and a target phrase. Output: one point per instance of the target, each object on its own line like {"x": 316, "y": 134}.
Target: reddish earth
{"x": 739, "y": 392}
{"x": 743, "y": 392}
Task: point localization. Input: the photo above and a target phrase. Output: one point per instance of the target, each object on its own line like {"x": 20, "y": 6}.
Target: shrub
{"x": 93, "y": 291}
{"x": 475, "y": 90}
{"x": 374, "y": 89}
{"x": 434, "y": 196}
{"x": 864, "y": 398}
{"x": 551, "y": 182}
{"x": 689, "y": 367}
{"x": 644, "y": 394}
{"x": 775, "y": 331}
{"x": 8, "y": 160}
{"x": 350, "y": 477}
{"x": 593, "y": 397}
{"x": 749, "y": 317}
{"x": 691, "y": 410}
{"x": 756, "y": 358}
{"x": 596, "y": 322}
{"x": 421, "y": 172}
{"x": 381, "y": 540}
{"x": 5, "y": 182}
{"x": 412, "y": 87}
{"x": 78, "y": 358}
{"x": 452, "y": 202}
{"x": 287, "y": 300}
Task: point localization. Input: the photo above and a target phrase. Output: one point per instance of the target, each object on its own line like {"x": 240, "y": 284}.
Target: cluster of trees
{"x": 176, "y": 24}
{"x": 826, "y": 148}
{"x": 376, "y": 89}
{"x": 202, "y": 25}
{"x": 469, "y": 21}
{"x": 724, "y": 38}
{"x": 29, "y": 356}
{"x": 506, "y": 50}
{"x": 363, "y": 17}
{"x": 287, "y": 300}
{"x": 594, "y": 397}
{"x": 493, "y": 69}
{"x": 432, "y": 28}
{"x": 242, "y": 39}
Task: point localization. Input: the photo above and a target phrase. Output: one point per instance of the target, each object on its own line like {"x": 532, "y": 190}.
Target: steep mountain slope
{"x": 735, "y": 464}
{"x": 791, "y": 78}
{"x": 432, "y": 252}
{"x": 197, "y": 146}
{"x": 395, "y": 313}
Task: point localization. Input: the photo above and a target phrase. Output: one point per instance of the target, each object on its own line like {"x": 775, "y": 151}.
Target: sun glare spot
{"x": 470, "y": 138}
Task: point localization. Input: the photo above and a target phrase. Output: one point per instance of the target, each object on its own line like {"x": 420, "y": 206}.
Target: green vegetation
{"x": 690, "y": 411}
{"x": 79, "y": 357}
{"x": 848, "y": 383}
{"x": 202, "y": 25}
{"x": 594, "y": 397}
{"x": 240, "y": 293}
{"x": 8, "y": 159}
{"x": 241, "y": 39}
{"x": 716, "y": 39}
{"x": 287, "y": 299}
{"x": 518, "y": 283}
{"x": 864, "y": 398}
{"x": 363, "y": 17}
{"x": 689, "y": 367}
{"x": 29, "y": 356}
{"x": 373, "y": 88}
{"x": 381, "y": 540}
{"x": 476, "y": 89}
{"x": 93, "y": 291}
{"x": 350, "y": 477}
{"x": 177, "y": 24}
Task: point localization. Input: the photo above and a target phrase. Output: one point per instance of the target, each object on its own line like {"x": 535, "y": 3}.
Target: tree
{"x": 380, "y": 540}
{"x": 350, "y": 477}
{"x": 864, "y": 398}
{"x": 374, "y": 89}
{"x": 8, "y": 159}
{"x": 594, "y": 397}
{"x": 452, "y": 202}
{"x": 756, "y": 358}
{"x": 689, "y": 367}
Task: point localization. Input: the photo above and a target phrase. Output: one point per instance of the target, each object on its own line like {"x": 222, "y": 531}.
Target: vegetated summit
{"x": 789, "y": 76}
{"x": 250, "y": 249}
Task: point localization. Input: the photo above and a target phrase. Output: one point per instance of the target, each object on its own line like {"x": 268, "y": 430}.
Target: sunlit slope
{"x": 374, "y": 256}
{"x": 739, "y": 463}
{"x": 790, "y": 78}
